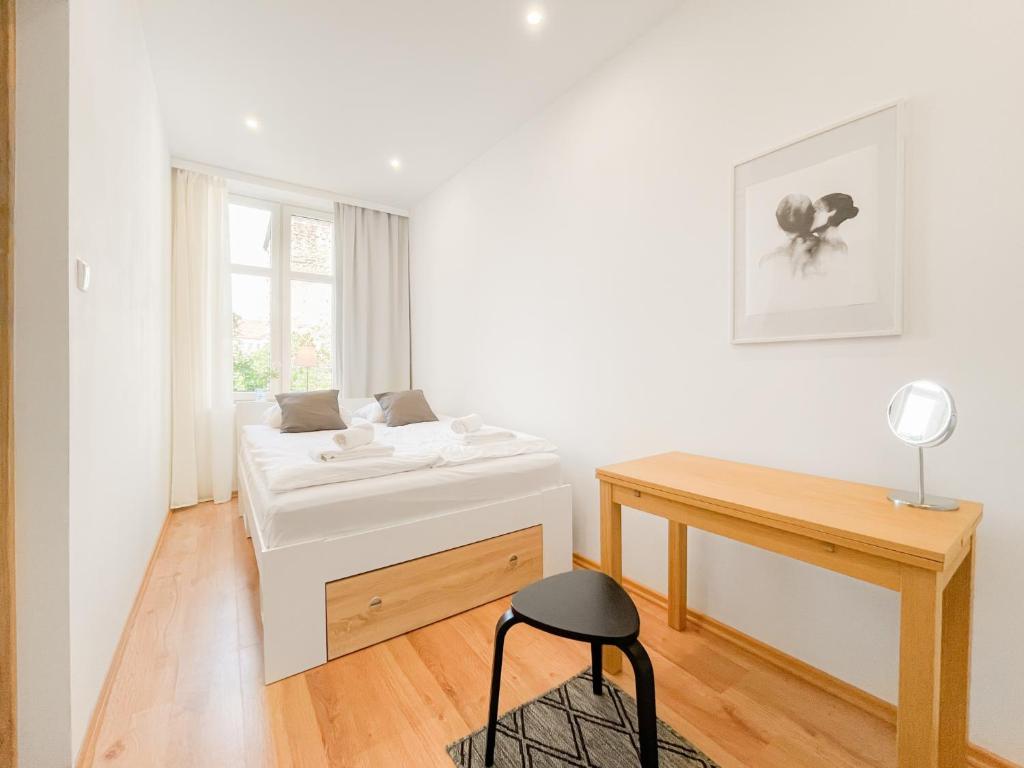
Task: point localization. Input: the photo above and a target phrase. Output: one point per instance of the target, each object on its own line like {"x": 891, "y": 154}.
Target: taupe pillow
{"x": 401, "y": 408}
{"x": 310, "y": 411}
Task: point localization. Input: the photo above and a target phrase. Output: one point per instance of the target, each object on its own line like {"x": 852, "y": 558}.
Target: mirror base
{"x": 913, "y": 499}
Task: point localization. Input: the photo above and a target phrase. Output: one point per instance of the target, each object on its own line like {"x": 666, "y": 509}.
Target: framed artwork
{"x": 818, "y": 234}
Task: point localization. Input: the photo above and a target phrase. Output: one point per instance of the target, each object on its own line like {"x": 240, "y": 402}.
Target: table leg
{"x": 917, "y": 720}
{"x": 676, "y": 575}
{"x": 956, "y": 661}
{"x": 611, "y": 560}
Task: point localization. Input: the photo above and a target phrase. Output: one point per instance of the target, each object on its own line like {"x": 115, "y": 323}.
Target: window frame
{"x": 281, "y": 276}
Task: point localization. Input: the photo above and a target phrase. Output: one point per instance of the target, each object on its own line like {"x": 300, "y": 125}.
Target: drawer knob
{"x": 636, "y": 493}
{"x": 830, "y": 547}
{"x": 513, "y": 560}
{"x": 375, "y": 602}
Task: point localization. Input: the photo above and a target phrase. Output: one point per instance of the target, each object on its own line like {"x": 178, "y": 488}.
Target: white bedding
{"x": 286, "y": 463}
{"x": 429, "y": 474}
{"x": 283, "y": 460}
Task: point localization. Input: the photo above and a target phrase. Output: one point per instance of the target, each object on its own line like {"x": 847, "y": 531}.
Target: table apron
{"x": 825, "y": 554}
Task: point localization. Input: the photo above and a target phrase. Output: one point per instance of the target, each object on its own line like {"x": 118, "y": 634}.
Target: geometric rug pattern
{"x": 570, "y": 727}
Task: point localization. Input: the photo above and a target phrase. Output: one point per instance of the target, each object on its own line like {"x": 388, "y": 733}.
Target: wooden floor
{"x": 189, "y": 691}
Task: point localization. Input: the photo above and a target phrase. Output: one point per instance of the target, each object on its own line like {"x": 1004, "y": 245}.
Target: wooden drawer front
{"x": 374, "y": 606}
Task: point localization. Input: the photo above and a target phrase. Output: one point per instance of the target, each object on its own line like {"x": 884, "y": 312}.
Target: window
{"x": 282, "y": 297}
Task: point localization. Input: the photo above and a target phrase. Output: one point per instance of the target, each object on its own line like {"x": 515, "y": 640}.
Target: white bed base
{"x": 293, "y": 578}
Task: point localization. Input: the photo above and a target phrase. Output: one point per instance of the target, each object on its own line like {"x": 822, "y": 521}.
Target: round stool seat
{"x": 590, "y": 607}
{"x": 580, "y": 605}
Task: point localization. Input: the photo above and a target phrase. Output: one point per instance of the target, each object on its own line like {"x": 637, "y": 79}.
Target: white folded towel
{"x": 466, "y": 424}
{"x": 486, "y": 435}
{"x": 355, "y": 436}
{"x": 369, "y": 451}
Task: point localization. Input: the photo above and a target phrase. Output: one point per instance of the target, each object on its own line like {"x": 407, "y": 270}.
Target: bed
{"x": 343, "y": 565}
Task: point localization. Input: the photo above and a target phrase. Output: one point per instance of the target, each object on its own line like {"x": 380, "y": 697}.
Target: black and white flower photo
{"x": 809, "y": 236}
{"x": 817, "y": 234}
{"x": 812, "y": 231}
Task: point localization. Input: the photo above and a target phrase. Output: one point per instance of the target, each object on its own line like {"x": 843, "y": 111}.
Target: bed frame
{"x": 294, "y": 579}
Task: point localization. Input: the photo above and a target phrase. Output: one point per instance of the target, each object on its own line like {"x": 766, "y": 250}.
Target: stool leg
{"x": 646, "y": 713}
{"x": 505, "y": 623}
{"x": 595, "y": 664}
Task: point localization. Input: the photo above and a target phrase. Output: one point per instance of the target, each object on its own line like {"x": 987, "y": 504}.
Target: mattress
{"x": 327, "y": 511}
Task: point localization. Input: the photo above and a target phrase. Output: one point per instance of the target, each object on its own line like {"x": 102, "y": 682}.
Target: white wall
{"x": 41, "y": 381}
{"x": 574, "y": 282}
{"x": 120, "y": 334}
{"x": 91, "y": 369}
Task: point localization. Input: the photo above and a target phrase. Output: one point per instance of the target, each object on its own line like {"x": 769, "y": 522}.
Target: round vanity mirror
{"x": 922, "y": 414}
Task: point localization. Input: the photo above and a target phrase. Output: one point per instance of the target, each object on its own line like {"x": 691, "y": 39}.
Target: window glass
{"x": 250, "y": 332}
{"x": 250, "y": 235}
{"x": 312, "y": 364}
{"x": 312, "y": 245}
{"x": 282, "y": 297}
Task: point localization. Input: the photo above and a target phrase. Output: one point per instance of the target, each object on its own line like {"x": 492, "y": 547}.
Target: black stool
{"x": 590, "y": 607}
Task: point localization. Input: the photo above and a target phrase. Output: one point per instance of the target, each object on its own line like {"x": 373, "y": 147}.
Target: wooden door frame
{"x": 8, "y": 645}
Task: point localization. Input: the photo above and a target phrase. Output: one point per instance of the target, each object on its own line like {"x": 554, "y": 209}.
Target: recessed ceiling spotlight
{"x": 534, "y": 17}
{"x": 395, "y": 163}
{"x": 252, "y": 123}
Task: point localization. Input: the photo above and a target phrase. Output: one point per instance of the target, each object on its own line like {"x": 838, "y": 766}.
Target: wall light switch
{"x": 84, "y": 274}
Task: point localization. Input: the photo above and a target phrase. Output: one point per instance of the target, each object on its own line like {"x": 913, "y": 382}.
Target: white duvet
{"x": 284, "y": 459}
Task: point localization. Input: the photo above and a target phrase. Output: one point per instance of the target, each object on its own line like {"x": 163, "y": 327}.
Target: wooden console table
{"x": 926, "y": 556}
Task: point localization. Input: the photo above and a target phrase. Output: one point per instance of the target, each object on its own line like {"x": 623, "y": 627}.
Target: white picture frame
{"x": 825, "y": 268}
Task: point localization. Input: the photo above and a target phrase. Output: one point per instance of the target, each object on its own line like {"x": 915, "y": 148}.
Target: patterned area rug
{"x": 570, "y": 727}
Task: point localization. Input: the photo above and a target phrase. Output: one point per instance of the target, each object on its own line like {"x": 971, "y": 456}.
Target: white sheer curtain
{"x": 202, "y": 411}
{"x": 372, "y": 300}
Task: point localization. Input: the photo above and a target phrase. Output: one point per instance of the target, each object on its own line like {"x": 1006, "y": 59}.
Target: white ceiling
{"x": 342, "y": 86}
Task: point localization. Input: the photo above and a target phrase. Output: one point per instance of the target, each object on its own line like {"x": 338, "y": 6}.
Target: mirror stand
{"x": 920, "y": 498}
